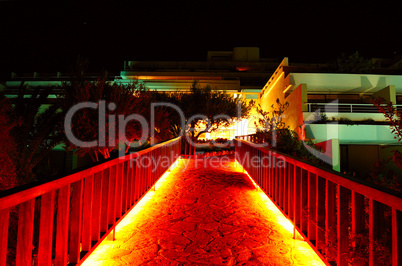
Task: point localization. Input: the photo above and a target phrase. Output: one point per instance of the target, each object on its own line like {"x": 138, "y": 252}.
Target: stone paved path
{"x": 204, "y": 215}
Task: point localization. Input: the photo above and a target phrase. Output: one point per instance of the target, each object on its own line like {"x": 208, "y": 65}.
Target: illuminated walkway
{"x": 202, "y": 214}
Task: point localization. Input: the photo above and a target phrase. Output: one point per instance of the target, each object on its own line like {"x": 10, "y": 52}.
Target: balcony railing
{"x": 76, "y": 212}
{"x": 345, "y": 107}
{"x": 335, "y": 213}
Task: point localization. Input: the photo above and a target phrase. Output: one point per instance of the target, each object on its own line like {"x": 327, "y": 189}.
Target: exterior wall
{"x": 328, "y": 83}
{"x": 246, "y": 54}
{"x": 388, "y": 93}
{"x": 294, "y": 114}
{"x": 351, "y": 134}
{"x": 354, "y": 148}
{"x": 331, "y": 149}
{"x": 361, "y": 158}
{"x": 276, "y": 88}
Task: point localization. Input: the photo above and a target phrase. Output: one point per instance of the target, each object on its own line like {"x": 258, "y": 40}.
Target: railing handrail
{"x": 380, "y": 194}
{"x": 294, "y": 159}
{"x": 347, "y": 107}
{"x": 331, "y": 211}
{"x": 77, "y": 211}
{"x": 10, "y": 199}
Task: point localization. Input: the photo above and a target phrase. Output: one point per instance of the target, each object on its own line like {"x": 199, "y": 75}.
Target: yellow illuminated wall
{"x": 279, "y": 87}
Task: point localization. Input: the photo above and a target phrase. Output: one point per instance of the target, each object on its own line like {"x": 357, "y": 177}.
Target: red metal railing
{"x": 188, "y": 149}
{"x": 76, "y": 212}
{"x": 336, "y": 214}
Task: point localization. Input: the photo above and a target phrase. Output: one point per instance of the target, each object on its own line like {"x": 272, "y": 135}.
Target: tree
{"x": 38, "y": 130}
{"x": 353, "y": 63}
{"x": 119, "y": 100}
{"x": 392, "y": 115}
{"x": 271, "y": 121}
{"x": 8, "y": 176}
{"x": 380, "y": 175}
{"x": 277, "y": 135}
{"x": 271, "y": 128}
{"x": 207, "y": 110}
{"x": 162, "y": 119}
{"x": 171, "y": 126}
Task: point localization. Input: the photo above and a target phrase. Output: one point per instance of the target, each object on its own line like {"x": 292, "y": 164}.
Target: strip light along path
{"x": 204, "y": 212}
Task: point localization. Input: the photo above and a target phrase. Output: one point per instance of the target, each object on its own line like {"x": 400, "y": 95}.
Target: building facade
{"x": 336, "y": 109}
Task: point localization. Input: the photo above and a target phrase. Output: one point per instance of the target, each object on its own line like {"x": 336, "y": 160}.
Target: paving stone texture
{"x": 204, "y": 213}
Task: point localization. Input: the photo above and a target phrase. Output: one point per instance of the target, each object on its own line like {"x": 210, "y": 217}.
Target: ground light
{"x": 299, "y": 244}
{"x": 260, "y": 196}
{"x": 129, "y": 220}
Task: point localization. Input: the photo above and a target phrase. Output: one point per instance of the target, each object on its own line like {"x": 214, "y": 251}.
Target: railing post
{"x": 75, "y": 221}
{"x": 104, "y": 226}
{"x": 46, "y": 228}
{"x": 185, "y": 148}
{"x": 358, "y": 223}
{"x": 371, "y": 232}
{"x": 377, "y": 227}
{"x": 96, "y": 214}
{"x": 279, "y": 178}
{"x": 112, "y": 195}
{"x": 133, "y": 178}
{"x": 312, "y": 208}
{"x": 146, "y": 175}
{"x": 25, "y": 233}
{"x": 137, "y": 179}
{"x": 343, "y": 199}
{"x": 290, "y": 191}
{"x": 119, "y": 189}
{"x": 330, "y": 225}
{"x": 320, "y": 232}
{"x": 63, "y": 211}
{"x": 265, "y": 172}
{"x": 304, "y": 202}
{"x": 129, "y": 184}
{"x": 285, "y": 187}
{"x": 4, "y": 223}
{"x": 294, "y": 199}
{"x": 142, "y": 176}
{"x": 297, "y": 196}
{"x": 125, "y": 185}
{"x": 87, "y": 213}
{"x": 396, "y": 237}
{"x": 275, "y": 179}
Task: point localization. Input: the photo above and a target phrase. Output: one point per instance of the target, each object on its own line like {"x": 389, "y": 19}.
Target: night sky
{"x": 49, "y": 38}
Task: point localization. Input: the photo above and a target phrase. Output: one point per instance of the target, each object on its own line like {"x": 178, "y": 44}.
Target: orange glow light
{"x": 273, "y": 85}
{"x": 261, "y": 196}
{"x": 287, "y": 88}
{"x": 113, "y": 252}
{"x": 132, "y": 219}
{"x": 309, "y": 256}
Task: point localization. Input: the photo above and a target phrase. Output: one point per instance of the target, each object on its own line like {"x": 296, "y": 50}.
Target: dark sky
{"x": 48, "y": 38}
